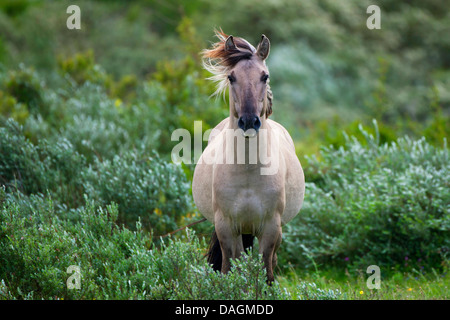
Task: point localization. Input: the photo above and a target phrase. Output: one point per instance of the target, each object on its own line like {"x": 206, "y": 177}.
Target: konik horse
{"x": 251, "y": 187}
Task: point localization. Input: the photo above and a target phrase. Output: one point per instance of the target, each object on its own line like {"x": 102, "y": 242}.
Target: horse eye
{"x": 264, "y": 77}
{"x": 231, "y": 78}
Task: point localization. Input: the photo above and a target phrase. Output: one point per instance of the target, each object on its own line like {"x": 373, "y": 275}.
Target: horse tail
{"x": 214, "y": 254}
{"x": 247, "y": 241}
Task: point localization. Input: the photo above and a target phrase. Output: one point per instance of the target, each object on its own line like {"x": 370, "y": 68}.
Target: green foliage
{"x": 314, "y": 60}
{"x": 38, "y": 248}
{"x": 310, "y": 291}
{"x": 333, "y": 132}
{"x": 186, "y": 275}
{"x": 186, "y": 99}
{"x": 14, "y": 7}
{"x": 384, "y": 204}
{"x": 38, "y": 169}
{"x": 186, "y": 91}
{"x": 411, "y": 285}
{"x": 96, "y": 118}
{"x": 125, "y": 89}
{"x": 115, "y": 263}
{"x": 438, "y": 128}
{"x": 142, "y": 186}
{"x": 93, "y": 123}
{"x": 82, "y": 67}
{"x": 3, "y": 51}
{"x": 10, "y": 108}
{"x": 25, "y": 87}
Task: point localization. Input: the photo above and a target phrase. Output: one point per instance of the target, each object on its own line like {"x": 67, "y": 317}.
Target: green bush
{"x": 310, "y": 291}
{"x": 142, "y": 186}
{"x": 10, "y": 108}
{"x": 43, "y": 168}
{"x": 82, "y": 68}
{"x": 20, "y": 165}
{"x": 38, "y": 247}
{"x": 371, "y": 203}
{"x": 27, "y": 88}
{"x": 14, "y": 8}
{"x": 102, "y": 118}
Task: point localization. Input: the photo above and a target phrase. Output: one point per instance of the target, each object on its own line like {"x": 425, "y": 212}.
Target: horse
{"x": 234, "y": 186}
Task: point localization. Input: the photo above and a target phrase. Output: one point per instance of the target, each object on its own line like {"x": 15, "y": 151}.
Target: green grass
{"x": 396, "y": 286}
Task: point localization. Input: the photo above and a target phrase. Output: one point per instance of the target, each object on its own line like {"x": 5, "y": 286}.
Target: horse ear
{"x": 263, "y": 48}
{"x": 229, "y": 44}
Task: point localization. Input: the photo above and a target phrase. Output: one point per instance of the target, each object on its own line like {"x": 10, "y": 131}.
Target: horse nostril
{"x": 256, "y": 123}
{"x": 249, "y": 122}
{"x": 241, "y": 124}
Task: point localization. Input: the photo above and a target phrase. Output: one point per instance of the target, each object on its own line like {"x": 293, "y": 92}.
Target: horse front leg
{"x": 269, "y": 242}
{"x": 230, "y": 244}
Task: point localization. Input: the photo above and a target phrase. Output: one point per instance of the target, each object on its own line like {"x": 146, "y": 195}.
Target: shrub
{"x": 115, "y": 263}
{"x": 20, "y": 165}
{"x": 27, "y": 88}
{"x": 38, "y": 247}
{"x": 10, "y": 108}
{"x": 37, "y": 169}
{"x": 82, "y": 68}
{"x": 310, "y": 291}
{"x": 384, "y": 204}
{"x": 125, "y": 89}
{"x": 142, "y": 186}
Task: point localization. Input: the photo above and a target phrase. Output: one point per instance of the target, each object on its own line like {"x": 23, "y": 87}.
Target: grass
{"x": 411, "y": 285}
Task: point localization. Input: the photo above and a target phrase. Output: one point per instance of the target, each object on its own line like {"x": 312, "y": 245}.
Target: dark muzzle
{"x": 249, "y": 122}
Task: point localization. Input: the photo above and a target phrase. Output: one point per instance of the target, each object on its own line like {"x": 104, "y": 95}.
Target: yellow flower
{"x": 361, "y": 292}
{"x": 158, "y": 211}
{"x": 409, "y": 289}
{"x": 118, "y": 102}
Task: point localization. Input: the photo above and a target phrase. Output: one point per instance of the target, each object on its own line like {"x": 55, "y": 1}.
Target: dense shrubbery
{"x": 115, "y": 263}
{"x": 372, "y": 203}
{"x": 142, "y": 186}
{"x": 145, "y": 187}
{"x": 103, "y": 118}
{"x": 39, "y": 168}
{"x": 323, "y": 56}
{"x": 366, "y": 204}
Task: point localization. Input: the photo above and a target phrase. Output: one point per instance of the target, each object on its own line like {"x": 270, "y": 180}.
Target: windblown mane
{"x": 219, "y": 61}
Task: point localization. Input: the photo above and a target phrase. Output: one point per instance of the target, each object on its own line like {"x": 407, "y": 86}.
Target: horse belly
{"x": 247, "y": 210}
{"x": 295, "y": 190}
{"x": 202, "y": 190}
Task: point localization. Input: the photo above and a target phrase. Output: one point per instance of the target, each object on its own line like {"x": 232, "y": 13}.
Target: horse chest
{"x": 247, "y": 200}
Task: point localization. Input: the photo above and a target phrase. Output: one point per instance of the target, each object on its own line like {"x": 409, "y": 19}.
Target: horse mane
{"x": 229, "y": 58}
{"x": 219, "y": 61}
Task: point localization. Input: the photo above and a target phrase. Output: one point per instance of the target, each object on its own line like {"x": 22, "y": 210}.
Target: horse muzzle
{"x": 250, "y": 125}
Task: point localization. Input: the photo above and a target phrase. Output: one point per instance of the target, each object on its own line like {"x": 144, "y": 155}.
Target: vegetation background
{"x": 86, "y": 177}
